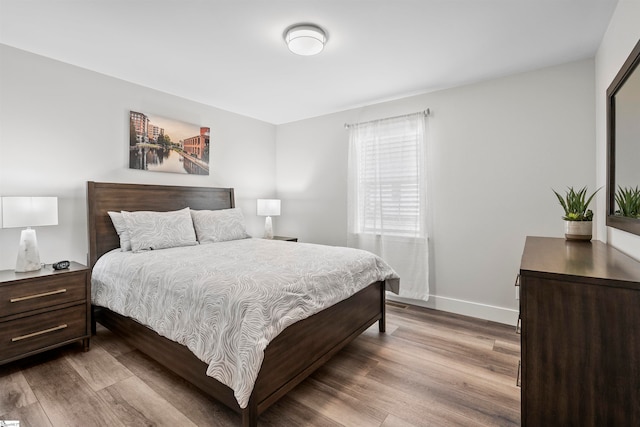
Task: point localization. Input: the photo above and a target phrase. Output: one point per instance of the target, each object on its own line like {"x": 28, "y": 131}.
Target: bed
{"x": 289, "y": 358}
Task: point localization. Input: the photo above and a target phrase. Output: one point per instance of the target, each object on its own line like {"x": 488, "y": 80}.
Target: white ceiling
{"x": 231, "y": 54}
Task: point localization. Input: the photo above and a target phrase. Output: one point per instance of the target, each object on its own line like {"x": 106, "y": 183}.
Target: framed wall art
{"x": 161, "y": 144}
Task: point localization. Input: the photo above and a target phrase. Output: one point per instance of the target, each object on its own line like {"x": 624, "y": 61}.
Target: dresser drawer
{"x": 32, "y": 333}
{"x": 31, "y": 294}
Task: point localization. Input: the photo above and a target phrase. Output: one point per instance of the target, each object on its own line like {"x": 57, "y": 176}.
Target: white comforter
{"x": 226, "y": 301}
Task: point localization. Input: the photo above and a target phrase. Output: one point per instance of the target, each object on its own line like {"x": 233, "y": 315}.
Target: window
{"x": 387, "y": 197}
{"x": 387, "y": 177}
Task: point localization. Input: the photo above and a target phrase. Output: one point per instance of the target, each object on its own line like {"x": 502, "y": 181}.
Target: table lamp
{"x": 268, "y": 208}
{"x": 29, "y": 212}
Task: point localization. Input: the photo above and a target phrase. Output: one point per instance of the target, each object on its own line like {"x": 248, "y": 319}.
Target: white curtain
{"x": 387, "y": 197}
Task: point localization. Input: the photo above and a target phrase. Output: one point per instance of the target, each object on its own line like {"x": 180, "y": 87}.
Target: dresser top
{"x": 47, "y": 270}
{"x": 557, "y": 256}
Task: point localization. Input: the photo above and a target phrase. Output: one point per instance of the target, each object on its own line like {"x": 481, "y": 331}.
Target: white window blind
{"x": 389, "y": 175}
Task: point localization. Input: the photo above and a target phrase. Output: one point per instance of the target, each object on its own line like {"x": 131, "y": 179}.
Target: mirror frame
{"x": 631, "y": 225}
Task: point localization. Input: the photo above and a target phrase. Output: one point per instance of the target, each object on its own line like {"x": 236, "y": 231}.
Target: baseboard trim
{"x": 507, "y": 316}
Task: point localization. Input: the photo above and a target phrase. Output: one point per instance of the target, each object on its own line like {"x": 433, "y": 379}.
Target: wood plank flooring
{"x": 429, "y": 369}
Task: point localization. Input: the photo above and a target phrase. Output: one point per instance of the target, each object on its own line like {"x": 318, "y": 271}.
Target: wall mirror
{"x": 623, "y": 140}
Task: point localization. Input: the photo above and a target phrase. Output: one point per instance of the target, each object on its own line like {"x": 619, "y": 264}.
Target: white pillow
{"x": 159, "y": 230}
{"x": 219, "y": 226}
{"x": 121, "y": 228}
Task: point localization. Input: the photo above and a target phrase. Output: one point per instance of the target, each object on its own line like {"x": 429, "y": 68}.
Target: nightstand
{"x": 44, "y": 309}
{"x": 287, "y": 239}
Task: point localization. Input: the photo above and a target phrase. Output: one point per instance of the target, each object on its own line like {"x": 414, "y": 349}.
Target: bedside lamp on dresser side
{"x": 29, "y": 212}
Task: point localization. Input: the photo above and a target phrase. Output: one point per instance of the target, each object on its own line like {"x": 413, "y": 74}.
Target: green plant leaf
{"x": 576, "y": 204}
{"x": 628, "y": 201}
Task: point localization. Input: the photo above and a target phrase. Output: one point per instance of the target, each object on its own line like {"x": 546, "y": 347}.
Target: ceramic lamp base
{"x": 28, "y": 254}
{"x": 268, "y": 228}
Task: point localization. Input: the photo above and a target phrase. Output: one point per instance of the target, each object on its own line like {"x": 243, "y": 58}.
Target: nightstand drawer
{"x": 21, "y": 336}
{"x": 32, "y": 294}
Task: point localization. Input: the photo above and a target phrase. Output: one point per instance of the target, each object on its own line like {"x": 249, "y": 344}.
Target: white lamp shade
{"x": 305, "y": 40}
{"x": 29, "y": 211}
{"x": 268, "y": 207}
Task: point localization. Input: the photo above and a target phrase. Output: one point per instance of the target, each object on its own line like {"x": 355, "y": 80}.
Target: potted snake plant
{"x": 578, "y": 218}
{"x": 628, "y": 201}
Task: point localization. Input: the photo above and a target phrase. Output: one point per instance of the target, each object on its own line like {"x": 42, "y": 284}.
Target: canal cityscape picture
{"x": 162, "y": 144}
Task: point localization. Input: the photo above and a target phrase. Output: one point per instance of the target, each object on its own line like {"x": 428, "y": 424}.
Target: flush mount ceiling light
{"x": 305, "y": 39}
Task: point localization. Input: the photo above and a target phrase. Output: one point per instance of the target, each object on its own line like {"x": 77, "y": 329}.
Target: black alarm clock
{"x": 61, "y": 265}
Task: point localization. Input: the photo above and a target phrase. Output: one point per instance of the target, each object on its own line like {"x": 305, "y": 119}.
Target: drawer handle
{"x": 519, "y": 325}
{"x": 517, "y": 280}
{"x": 519, "y": 378}
{"x": 44, "y": 294}
{"x": 35, "y": 334}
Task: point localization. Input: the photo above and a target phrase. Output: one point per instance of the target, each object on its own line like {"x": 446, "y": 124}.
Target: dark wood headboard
{"x": 103, "y": 197}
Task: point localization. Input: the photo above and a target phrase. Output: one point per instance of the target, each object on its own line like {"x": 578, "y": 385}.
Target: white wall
{"x": 621, "y": 36}
{"x": 497, "y": 149}
{"x": 61, "y": 126}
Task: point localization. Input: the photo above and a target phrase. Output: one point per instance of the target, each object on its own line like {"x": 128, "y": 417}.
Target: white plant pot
{"x": 578, "y": 230}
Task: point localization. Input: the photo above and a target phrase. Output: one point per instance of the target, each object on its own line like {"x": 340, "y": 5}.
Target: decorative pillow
{"x": 159, "y": 230}
{"x": 219, "y": 226}
{"x": 121, "y": 228}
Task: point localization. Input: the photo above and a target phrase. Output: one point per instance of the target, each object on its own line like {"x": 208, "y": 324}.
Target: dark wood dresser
{"x": 580, "y": 317}
{"x": 43, "y": 309}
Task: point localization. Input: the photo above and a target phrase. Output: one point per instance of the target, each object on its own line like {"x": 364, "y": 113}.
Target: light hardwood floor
{"x": 429, "y": 369}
